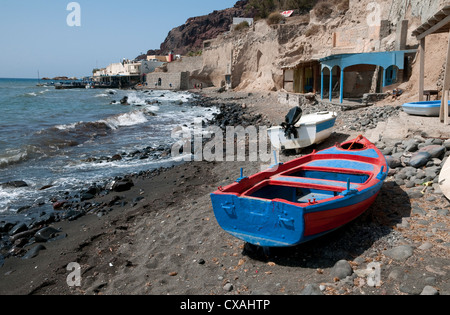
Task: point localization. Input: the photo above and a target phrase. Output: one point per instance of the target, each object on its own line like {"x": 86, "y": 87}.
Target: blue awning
{"x": 383, "y": 59}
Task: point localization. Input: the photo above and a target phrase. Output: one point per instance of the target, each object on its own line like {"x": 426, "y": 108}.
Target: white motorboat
{"x": 302, "y": 131}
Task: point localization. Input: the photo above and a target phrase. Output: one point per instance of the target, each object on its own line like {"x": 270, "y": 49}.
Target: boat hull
{"x": 280, "y": 224}
{"x": 427, "y": 108}
{"x": 302, "y": 199}
{"x": 311, "y": 129}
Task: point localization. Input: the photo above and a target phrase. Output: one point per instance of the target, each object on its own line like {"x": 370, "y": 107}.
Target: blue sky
{"x": 34, "y": 34}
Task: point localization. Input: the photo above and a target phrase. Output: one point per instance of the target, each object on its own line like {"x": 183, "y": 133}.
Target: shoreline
{"x": 161, "y": 236}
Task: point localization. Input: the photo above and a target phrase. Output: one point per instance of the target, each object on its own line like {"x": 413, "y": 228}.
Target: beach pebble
{"x": 396, "y": 274}
{"x": 59, "y": 204}
{"x": 425, "y": 246}
{"x": 43, "y": 235}
{"x": 446, "y": 144}
{"x": 311, "y": 289}
{"x": 429, "y": 290}
{"x": 122, "y": 185}
{"x": 341, "y": 269}
{"x": 228, "y": 287}
{"x": 393, "y": 162}
{"x": 86, "y": 196}
{"x": 411, "y": 145}
{"x": 19, "y": 227}
{"x": 402, "y": 252}
{"x": 34, "y": 252}
{"x": 443, "y": 212}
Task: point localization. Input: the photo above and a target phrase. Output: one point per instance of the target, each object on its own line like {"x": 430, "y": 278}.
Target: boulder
{"x": 122, "y": 185}
{"x": 124, "y": 100}
{"x": 44, "y": 234}
{"x": 341, "y": 270}
{"x": 34, "y": 252}
{"x": 435, "y": 151}
{"x": 393, "y": 162}
{"x": 18, "y": 228}
{"x": 400, "y": 253}
{"x": 419, "y": 159}
{"x": 15, "y": 184}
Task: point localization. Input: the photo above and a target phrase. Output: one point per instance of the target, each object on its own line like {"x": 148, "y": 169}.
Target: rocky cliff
{"x": 189, "y": 37}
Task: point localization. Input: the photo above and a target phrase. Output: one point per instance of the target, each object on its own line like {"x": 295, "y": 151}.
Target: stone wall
{"x": 186, "y": 64}
{"x": 168, "y": 80}
{"x": 217, "y": 61}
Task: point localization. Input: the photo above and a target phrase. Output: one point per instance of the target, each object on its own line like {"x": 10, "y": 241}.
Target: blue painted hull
{"x": 277, "y": 223}
{"x": 302, "y": 199}
{"x": 428, "y": 108}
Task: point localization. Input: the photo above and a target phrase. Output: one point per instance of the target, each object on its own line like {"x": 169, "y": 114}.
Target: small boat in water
{"x": 71, "y": 85}
{"x": 427, "y": 108}
{"x": 302, "y": 131}
{"x": 302, "y": 199}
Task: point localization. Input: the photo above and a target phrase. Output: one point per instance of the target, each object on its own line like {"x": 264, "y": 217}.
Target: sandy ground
{"x": 170, "y": 242}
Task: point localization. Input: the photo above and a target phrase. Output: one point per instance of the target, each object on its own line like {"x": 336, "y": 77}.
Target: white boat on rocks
{"x": 299, "y": 131}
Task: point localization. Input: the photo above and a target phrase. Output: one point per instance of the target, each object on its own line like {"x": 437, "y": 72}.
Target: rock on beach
{"x": 341, "y": 270}
{"x": 400, "y": 253}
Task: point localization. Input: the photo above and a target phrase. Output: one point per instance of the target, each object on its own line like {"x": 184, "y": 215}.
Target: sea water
{"x": 50, "y": 137}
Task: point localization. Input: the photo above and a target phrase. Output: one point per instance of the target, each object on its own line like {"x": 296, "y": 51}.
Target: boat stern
{"x": 311, "y": 129}
{"x": 267, "y": 223}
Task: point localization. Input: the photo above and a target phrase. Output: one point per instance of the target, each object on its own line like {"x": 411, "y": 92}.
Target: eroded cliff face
{"x": 190, "y": 36}
{"x": 255, "y": 57}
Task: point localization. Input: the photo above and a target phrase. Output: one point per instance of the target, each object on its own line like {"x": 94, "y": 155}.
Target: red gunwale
{"x": 259, "y": 180}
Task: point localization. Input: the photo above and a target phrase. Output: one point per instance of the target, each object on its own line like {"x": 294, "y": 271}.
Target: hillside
{"x": 189, "y": 37}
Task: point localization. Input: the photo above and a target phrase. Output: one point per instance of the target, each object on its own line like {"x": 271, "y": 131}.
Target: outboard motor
{"x": 291, "y": 119}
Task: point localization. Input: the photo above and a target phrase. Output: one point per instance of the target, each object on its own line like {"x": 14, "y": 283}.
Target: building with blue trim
{"x": 390, "y": 67}
{"x": 359, "y": 73}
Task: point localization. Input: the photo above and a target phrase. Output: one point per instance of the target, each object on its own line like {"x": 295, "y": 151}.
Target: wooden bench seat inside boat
{"x": 308, "y": 184}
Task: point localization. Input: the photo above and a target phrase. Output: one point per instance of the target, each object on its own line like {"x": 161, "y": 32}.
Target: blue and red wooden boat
{"x": 305, "y": 198}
